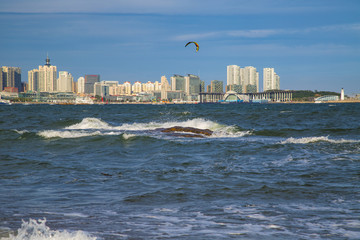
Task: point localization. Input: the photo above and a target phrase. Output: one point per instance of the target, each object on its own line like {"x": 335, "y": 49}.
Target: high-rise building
{"x": 137, "y": 87}
{"x": 65, "y": 82}
{"x": 81, "y": 85}
{"x": 90, "y": 80}
{"x": 149, "y": 87}
{"x": 33, "y": 80}
{"x": 11, "y": 77}
{"x": 251, "y": 80}
{"x": 101, "y": 89}
{"x": 47, "y": 81}
{"x": 192, "y": 84}
{"x": 127, "y": 88}
{"x": 271, "y": 80}
{"x": 234, "y": 78}
{"x": 202, "y": 86}
{"x": 242, "y": 80}
{"x": 178, "y": 83}
{"x": 235, "y": 88}
{"x": 1, "y": 80}
{"x": 216, "y": 86}
{"x": 165, "y": 87}
{"x": 233, "y": 75}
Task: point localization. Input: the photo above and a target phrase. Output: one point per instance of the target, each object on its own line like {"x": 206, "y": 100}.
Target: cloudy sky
{"x": 312, "y": 44}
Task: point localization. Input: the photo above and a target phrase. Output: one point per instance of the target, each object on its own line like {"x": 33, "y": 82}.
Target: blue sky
{"x": 313, "y": 45}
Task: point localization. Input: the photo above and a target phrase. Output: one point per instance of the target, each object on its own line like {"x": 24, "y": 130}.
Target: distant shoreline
{"x": 339, "y": 101}
{"x": 189, "y": 103}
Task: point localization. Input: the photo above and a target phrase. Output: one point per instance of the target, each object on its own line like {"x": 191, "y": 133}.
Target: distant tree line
{"x": 307, "y": 95}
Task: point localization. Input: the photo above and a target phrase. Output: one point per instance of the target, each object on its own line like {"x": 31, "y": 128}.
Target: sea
{"x": 268, "y": 171}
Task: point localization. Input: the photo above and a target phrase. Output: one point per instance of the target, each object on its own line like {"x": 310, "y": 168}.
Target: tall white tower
{"x": 342, "y": 95}
{"x": 271, "y": 80}
{"x": 251, "y": 80}
{"x": 65, "y": 82}
{"x": 47, "y": 77}
{"x": 81, "y": 85}
{"x": 233, "y": 75}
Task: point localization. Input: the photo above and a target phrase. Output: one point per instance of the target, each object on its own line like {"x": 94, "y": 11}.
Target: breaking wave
{"x": 67, "y": 134}
{"x": 94, "y": 126}
{"x": 37, "y": 230}
{"x": 306, "y": 140}
{"x": 90, "y": 123}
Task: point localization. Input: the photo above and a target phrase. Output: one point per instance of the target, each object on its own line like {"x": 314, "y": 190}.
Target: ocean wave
{"x": 67, "y": 134}
{"x": 90, "y": 123}
{"x": 230, "y": 132}
{"x": 195, "y": 123}
{"x": 306, "y": 140}
{"x": 94, "y": 126}
{"x": 95, "y": 123}
{"x": 127, "y": 136}
{"x": 37, "y": 230}
{"x": 20, "y": 132}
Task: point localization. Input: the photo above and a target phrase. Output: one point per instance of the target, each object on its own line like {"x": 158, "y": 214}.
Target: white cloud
{"x": 263, "y": 33}
{"x": 291, "y": 50}
{"x": 256, "y": 33}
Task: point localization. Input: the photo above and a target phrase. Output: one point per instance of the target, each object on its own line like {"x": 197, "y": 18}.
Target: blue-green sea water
{"x": 268, "y": 171}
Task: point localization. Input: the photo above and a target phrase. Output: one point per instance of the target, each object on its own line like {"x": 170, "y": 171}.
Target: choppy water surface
{"x": 269, "y": 171}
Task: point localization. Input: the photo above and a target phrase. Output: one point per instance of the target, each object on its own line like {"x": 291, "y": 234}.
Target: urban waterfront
{"x": 267, "y": 171}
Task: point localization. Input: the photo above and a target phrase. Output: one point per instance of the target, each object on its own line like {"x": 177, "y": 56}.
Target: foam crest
{"x": 67, "y": 134}
{"x": 90, "y": 123}
{"x": 195, "y": 123}
{"x": 37, "y": 230}
{"x": 306, "y": 140}
{"x": 229, "y": 132}
{"x": 21, "y": 131}
{"x": 127, "y": 136}
{"x": 94, "y": 126}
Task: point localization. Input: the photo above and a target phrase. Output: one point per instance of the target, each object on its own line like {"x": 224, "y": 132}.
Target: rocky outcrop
{"x": 195, "y": 132}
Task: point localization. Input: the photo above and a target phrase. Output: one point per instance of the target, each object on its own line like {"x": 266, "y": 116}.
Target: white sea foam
{"x": 21, "y": 131}
{"x": 67, "y": 134}
{"x": 127, "y": 136}
{"x": 306, "y": 140}
{"x": 219, "y": 130}
{"x": 257, "y": 216}
{"x": 90, "y": 123}
{"x": 229, "y": 132}
{"x": 195, "y": 123}
{"x": 37, "y": 230}
{"x": 94, "y": 126}
{"x": 80, "y": 215}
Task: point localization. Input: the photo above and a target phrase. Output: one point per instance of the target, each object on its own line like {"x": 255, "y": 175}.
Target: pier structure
{"x": 272, "y": 96}
{"x": 268, "y": 96}
{"x": 211, "y": 97}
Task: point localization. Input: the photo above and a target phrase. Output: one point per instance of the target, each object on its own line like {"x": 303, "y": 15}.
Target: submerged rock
{"x": 196, "y": 131}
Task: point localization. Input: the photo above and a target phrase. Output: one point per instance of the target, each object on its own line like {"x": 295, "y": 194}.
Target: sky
{"x": 312, "y": 44}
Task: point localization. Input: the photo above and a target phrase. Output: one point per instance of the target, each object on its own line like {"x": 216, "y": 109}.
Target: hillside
{"x": 307, "y": 95}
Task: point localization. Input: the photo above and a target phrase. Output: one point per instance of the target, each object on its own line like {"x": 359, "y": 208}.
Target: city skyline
{"x": 47, "y": 78}
{"x": 312, "y": 45}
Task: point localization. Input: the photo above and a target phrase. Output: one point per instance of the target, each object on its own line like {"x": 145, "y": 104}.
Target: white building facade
{"x": 65, "y": 82}
{"x": 242, "y": 80}
{"x": 233, "y": 75}
{"x": 81, "y": 85}
{"x": 271, "y": 81}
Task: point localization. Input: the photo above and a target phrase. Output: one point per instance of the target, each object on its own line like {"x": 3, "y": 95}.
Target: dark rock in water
{"x": 187, "y": 135}
{"x": 197, "y": 132}
{"x": 106, "y": 174}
